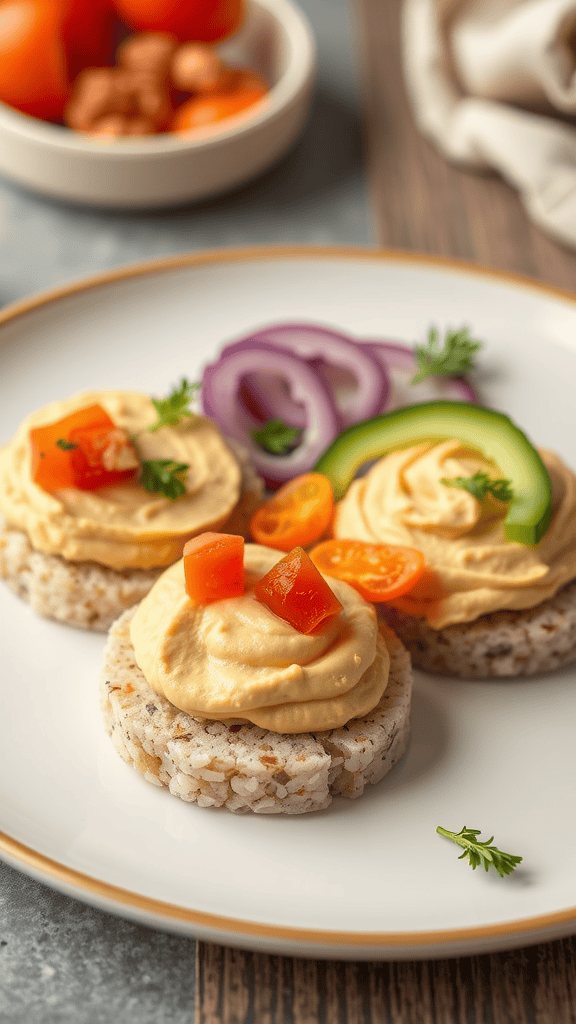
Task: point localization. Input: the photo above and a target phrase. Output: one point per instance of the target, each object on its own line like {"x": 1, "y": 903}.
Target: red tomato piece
{"x": 32, "y": 59}
{"x": 189, "y": 20}
{"x": 70, "y": 452}
{"x": 295, "y": 591}
{"x": 214, "y": 567}
{"x": 245, "y": 89}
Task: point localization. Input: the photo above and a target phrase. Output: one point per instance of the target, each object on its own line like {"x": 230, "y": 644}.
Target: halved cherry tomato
{"x": 32, "y": 59}
{"x": 299, "y": 513}
{"x": 189, "y": 20}
{"x": 378, "y": 572}
{"x": 87, "y": 32}
{"x": 214, "y": 567}
{"x": 73, "y": 452}
{"x": 295, "y": 591}
{"x": 245, "y": 89}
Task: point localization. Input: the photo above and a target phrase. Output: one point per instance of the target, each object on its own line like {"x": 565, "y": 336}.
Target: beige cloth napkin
{"x": 487, "y": 80}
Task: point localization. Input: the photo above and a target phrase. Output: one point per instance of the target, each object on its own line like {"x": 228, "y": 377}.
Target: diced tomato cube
{"x": 72, "y": 451}
{"x": 214, "y": 567}
{"x": 295, "y": 591}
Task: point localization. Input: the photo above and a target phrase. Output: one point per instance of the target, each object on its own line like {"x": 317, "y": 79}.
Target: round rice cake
{"x": 244, "y": 767}
{"x": 89, "y": 595}
{"x": 503, "y": 643}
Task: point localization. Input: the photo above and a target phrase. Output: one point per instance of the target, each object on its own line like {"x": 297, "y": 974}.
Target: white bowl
{"x": 161, "y": 170}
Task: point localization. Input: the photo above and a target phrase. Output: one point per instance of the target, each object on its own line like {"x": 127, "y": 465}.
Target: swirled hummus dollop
{"x": 235, "y": 660}
{"x": 403, "y": 501}
{"x": 122, "y": 526}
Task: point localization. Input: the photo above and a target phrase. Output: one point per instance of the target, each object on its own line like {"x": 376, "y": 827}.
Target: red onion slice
{"x": 221, "y": 385}
{"x": 266, "y": 396}
{"x": 401, "y": 365}
{"x": 336, "y": 356}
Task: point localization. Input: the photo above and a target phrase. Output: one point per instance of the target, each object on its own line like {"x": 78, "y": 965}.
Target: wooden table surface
{"x": 422, "y": 204}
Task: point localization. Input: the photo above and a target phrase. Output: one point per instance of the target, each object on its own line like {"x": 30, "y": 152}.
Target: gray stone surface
{"x": 62, "y": 962}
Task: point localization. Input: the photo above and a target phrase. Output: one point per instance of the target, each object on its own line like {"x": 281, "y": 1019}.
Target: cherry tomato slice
{"x": 378, "y": 572}
{"x": 298, "y": 514}
{"x": 214, "y": 567}
{"x": 69, "y": 453}
{"x": 296, "y": 592}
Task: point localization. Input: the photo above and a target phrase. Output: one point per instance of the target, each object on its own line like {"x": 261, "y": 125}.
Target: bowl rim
{"x": 296, "y": 79}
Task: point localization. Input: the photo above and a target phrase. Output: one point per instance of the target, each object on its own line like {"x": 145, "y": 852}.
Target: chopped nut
{"x": 148, "y": 51}
{"x": 197, "y": 67}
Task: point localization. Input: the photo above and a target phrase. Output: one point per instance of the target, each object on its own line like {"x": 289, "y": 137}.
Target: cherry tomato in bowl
{"x": 199, "y": 20}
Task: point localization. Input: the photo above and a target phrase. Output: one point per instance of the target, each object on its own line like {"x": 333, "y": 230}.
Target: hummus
{"x": 234, "y": 660}
{"x": 402, "y": 501}
{"x": 122, "y": 526}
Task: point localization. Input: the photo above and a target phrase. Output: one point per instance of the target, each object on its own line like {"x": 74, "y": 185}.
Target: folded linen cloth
{"x": 491, "y": 82}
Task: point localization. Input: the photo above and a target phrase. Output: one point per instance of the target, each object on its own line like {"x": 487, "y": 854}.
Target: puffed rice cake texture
{"x": 89, "y": 595}
{"x": 247, "y": 768}
{"x": 494, "y": 646}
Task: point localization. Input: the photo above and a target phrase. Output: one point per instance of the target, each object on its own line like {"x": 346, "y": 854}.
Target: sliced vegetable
{"x": 336, "y": 357}
{"x": 298, "y": 514}
{"x": 378, "y": 572}
{"x": 84, "y": 450}
{"x": 221, "y": 387}
{"x": 214, "y": 567}
{"x": 490, "y": 432}
{"x": 295, "y": 591}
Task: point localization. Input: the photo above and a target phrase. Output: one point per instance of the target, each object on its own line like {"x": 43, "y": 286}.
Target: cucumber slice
{"x": 490, "y": 432}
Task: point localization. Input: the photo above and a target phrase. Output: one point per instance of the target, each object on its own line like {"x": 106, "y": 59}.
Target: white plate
{"x": 368, "y": 879}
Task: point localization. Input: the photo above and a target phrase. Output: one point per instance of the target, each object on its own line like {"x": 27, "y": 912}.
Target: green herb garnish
{"x": 276, "y": 437}
{"x": 480, "y": 485}
{"x": 64, "y": 445}
{"x": 174, "y": 408}
{"x": 454, "y": 359}
{"x": 481, "y": 854}
{"x": 162, "y": 476}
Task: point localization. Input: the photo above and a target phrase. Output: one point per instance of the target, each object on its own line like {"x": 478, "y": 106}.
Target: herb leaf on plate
{"x": 481, "y": 854}
{"x": 175, "y": 407}
{"x": 276, "y": 437}
{"x": 163, "y": 476}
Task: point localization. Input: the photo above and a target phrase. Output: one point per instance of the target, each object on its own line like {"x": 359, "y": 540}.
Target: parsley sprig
{"x": 276, "y": 437}
{"x": 163, "y": 476}
{"x": 480, "y": 485}
{"x": 175, "y": 407}
{"x": 481, "y": 854}
{"x": 454, "y": 359}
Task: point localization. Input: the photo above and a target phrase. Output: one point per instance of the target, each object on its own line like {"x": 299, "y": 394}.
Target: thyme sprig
{"x": 455, "y": 358}
{"x": 481, "y": 854}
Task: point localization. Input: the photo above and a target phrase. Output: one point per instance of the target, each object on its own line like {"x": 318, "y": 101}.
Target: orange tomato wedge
{"x": 296, "y": 592}
{"x": 379, "y": 572}
{"x": 298, "y": 514}
{"x": 214, "y": 567}
{"x": 70, "y": 452}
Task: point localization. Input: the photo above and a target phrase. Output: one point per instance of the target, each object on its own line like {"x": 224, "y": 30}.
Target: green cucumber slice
{"x": 490, "y": 432}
